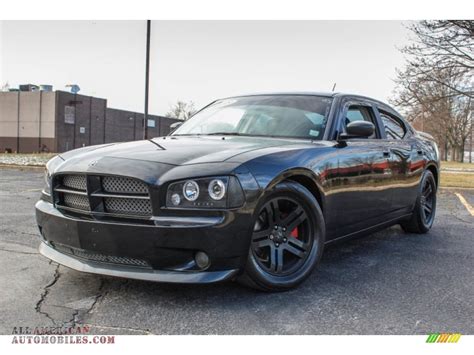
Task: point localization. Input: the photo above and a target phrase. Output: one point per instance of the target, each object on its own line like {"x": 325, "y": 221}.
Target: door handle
{"x": 386, "y": 153}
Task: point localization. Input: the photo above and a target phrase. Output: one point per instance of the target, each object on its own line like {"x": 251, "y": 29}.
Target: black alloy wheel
{"x": 282, "y": 236}
{"x": 427, "y": 200}
{"x": 287, "y": 239}
{"x": 423, "y": 214}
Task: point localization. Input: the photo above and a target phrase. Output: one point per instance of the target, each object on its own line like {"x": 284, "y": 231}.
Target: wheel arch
{"x": 307, "y": 179}
{"x": 434, "y": 170}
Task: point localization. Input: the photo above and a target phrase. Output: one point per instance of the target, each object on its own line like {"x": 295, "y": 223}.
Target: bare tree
{"x": 443, "y": 45}
{"x": 5, "y": 87}
{"x": 433, "y": 103}
{"x": 181, "y": 110}
{"x": 436, "y": 87}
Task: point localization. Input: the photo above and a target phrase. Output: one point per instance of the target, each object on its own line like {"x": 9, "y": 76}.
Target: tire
{"x": 425, "y": 207}
{"x": 287, "y": 245}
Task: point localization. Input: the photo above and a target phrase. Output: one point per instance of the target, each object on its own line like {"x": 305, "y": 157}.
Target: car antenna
{"x": 333, "y": 87}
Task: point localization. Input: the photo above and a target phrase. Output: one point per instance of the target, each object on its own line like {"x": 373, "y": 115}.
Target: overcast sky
{"x": 202, "y": 60}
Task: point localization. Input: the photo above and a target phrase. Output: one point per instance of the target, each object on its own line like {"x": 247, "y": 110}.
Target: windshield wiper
{"x": 224, "y": 134}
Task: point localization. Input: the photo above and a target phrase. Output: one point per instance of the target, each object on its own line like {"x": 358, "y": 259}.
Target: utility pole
{"x": 147, "y": 78}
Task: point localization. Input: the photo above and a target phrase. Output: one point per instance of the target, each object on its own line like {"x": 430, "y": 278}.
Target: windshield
{"x": 295, "y": 116}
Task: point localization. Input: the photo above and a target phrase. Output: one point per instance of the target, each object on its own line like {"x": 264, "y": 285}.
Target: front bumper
{"x": 167, "y": 246}
{"x": 132, "y": 272}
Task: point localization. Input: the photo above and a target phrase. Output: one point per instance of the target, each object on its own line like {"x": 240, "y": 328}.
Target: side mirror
{"x": 174, "y": 126}
{"x": 358, "y": 129}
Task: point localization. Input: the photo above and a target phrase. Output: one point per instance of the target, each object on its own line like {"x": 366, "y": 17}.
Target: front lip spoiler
{"x": 93, "y": 267}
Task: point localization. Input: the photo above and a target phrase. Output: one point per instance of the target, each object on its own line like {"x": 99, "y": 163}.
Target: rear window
{"x": 394, "y": 129}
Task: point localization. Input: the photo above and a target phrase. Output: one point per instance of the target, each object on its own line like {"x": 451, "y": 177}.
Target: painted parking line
{"x": 466, "y": 204}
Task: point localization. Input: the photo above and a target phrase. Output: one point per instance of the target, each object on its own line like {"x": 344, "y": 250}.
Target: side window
{"x": 359, "y": 113}
{"x": 393, "y": 128}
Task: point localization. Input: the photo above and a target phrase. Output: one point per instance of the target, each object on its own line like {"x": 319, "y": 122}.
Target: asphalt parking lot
{"x": 388, "y": 283}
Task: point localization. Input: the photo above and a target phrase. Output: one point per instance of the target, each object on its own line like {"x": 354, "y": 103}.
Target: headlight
{"x": 216, "y": 189}
{"x": 208, "y": 193}
{"x": 191, "y": 190}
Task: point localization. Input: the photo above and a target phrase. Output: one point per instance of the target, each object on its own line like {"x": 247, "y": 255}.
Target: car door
{"x": 363, "y": 176}
{"x": 406, "y": 161}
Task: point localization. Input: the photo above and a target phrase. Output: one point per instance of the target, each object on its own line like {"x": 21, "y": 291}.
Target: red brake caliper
{"x": 294, "y": 233}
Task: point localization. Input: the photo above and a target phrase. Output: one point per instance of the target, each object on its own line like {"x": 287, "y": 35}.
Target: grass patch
{"x": 456, "y": 165}
{"x": 457, "y": 180}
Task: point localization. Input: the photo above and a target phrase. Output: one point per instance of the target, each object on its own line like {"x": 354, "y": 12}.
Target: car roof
{"x": 309, "y": 93}
{"x": 321, "y": 94}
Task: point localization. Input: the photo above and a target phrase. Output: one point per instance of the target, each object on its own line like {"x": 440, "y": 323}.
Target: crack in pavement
{"x": 19, "y": 232}
{"x": 45, "y": 293}
{"x": 19, "y": 252}
{"x": 112, "y": 327}
{"x": 452, "y": 214}
{"x": 20, "y": 244}
{"x": 99, "y": 296}
{"x": 76, "y": 313}
{"x": 74, "y": 321}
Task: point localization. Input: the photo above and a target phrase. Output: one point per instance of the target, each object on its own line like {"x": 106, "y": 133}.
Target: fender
{"x": 295, "y": 174}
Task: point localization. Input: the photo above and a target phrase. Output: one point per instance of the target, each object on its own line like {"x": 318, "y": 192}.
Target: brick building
{"x": 57, "y": 121}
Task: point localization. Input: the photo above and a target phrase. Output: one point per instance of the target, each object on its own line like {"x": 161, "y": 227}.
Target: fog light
{"x": 202, "y": 260}
{"x": 175, "y": 199}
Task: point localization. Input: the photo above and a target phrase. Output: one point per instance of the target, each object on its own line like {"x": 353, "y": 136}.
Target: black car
{"x": 250, "y": 188}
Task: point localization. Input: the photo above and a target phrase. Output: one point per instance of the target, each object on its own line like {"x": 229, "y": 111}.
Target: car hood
{"x": 179, "y": 150}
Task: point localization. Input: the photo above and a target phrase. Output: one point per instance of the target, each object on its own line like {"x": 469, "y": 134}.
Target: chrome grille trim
{"x": 72, "y": 192}
{"x": 130, "y": 197}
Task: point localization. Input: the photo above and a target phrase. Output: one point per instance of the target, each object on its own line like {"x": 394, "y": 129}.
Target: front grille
{"x": 115, "y": 195}
{"x": 76, "y": 182}
{"x": 118, "y": 184}
{"x": 79, "y": 202}
{"x": 89, "y": 255}
{"x": 126, "y": 205}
